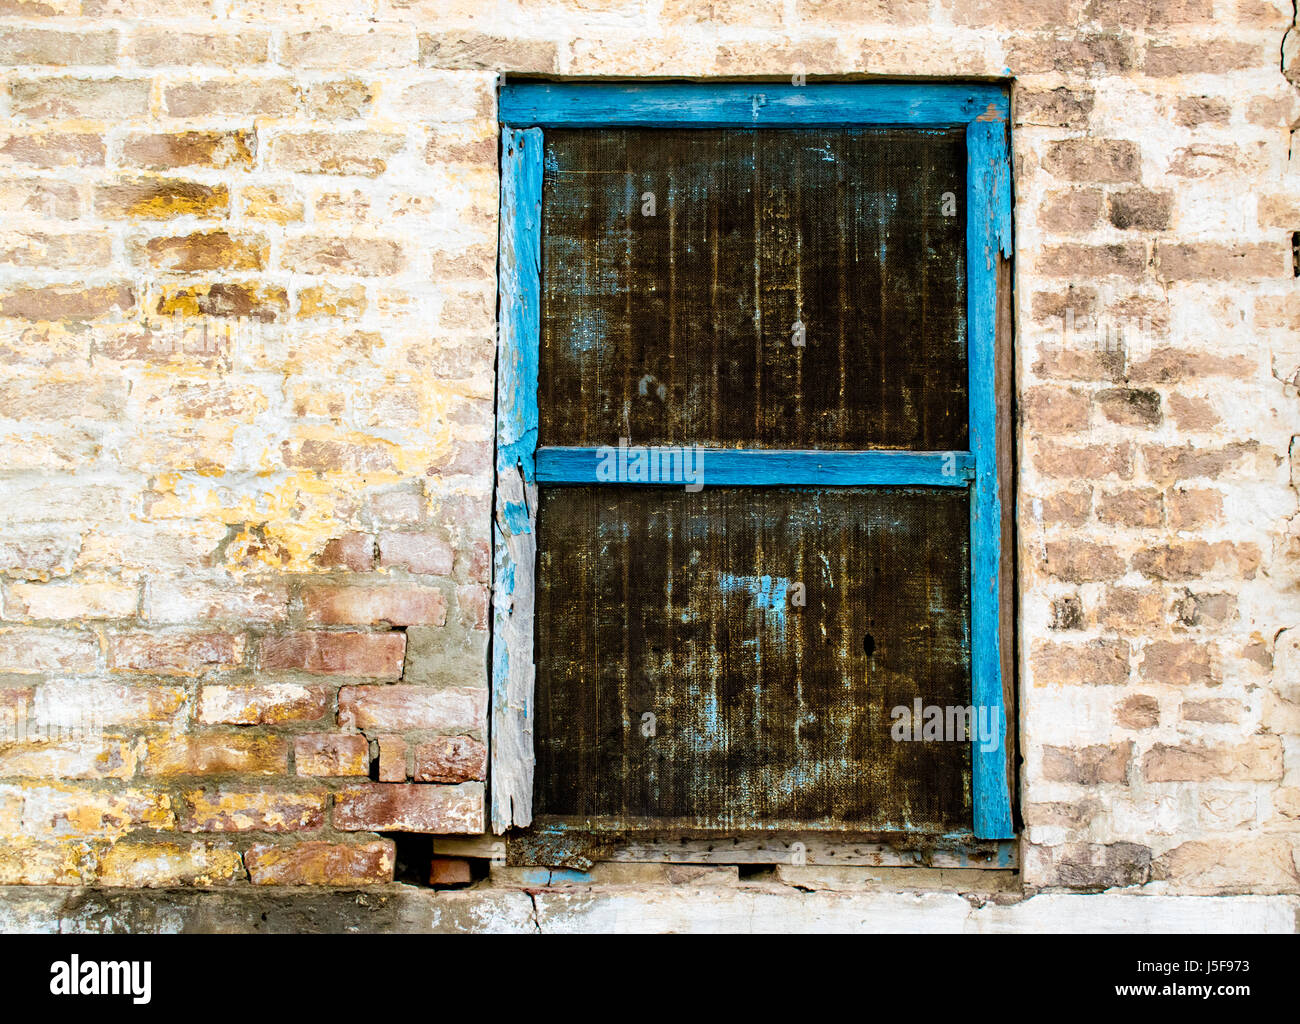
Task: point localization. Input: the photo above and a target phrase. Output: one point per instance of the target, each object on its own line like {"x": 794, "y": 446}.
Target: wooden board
{"x": 792, "y": 288}
{"x": 767, "y": 714}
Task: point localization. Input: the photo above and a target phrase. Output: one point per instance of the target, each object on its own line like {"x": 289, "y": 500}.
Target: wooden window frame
{"x": 526, "y": 110}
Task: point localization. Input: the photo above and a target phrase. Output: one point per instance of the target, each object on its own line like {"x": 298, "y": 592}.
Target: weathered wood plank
{"x": 758, "y": 104}
{"x": 988, "y": 240}
{"x": 817, "y": 849}
{"x": 742, "y": 657}
{"x": 514, "y": 528}
{"x": 731, "y": 466}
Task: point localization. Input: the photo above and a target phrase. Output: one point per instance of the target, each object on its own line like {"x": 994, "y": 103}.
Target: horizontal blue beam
{"x": 753, "y": 105}
{"x": 729, "y": 467}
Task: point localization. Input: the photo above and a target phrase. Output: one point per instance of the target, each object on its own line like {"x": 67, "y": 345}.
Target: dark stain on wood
{"x": 766, "y": 714}
{"x": 680, "y": 327}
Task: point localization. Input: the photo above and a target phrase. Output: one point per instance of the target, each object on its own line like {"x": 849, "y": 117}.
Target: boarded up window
{"x": 775, "y": 301}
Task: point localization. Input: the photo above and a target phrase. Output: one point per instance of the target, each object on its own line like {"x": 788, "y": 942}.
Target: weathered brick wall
{"x": 247, "y": 324}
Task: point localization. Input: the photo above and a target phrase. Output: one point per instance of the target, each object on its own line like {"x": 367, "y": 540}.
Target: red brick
{"x": 321, "y": 863}
{"x": 392, "y": 759}
{"x": 234, "y": 809}
{"x": 352, "y": 551}
{"x": 57, "y": 47}
{"x": 55, "y": 149}
{"x": 204, "y": 250}
{"x": 1096, "y": 663}
{"x": 445, "y": 871}
{"x": 1080, "y": 561}
{"x": 1168, "y": 365}
{"x": 262, "y": 704}
{"x": 1093, "y": 159}
{"x": 1259, "y": 760}
{"x": 1088, "y": 766}
{"x": 1075, "y": 261}
{"x": 167, "y": 151}
{"x": 387, "y": 807}
{"x": 1140, "y": 507}
{"x": 31, "y": 650}
{"x": 331, "y": 755}
{"x": 416, "y": 552}
{"x": 175, "y": 654}
{"x": 404, "y": 708}
{"x": 369, "y": 655}
{"x": 472, "y": 605}
{"x": 1189, "y": 461}
{"x": 1190, "y": 559}
{"x": 395, "y": 604}
{"x": 61, "y": 302}
{"x": 451, "y": 759}
{"x": 216, "y": 753}
{"x": 1084, "y": 463}
{"x": 1178, "y": 663}
{"x": 1207, "y": 261}
{"x": 1139, "y": 711}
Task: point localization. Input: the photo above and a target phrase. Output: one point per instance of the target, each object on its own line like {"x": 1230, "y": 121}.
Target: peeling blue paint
{"x": 769, "y": 593}
{"x": 988, "y": 234}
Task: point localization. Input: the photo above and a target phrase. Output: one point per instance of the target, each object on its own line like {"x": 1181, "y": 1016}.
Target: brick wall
{"x": 247, "y": 292}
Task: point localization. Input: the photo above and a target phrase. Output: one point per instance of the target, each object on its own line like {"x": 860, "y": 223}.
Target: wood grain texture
{"x": 767, "y": 714}
{"x": 988, "y": 241}
{"x": 730, "y": 466}
{"x": 514, "y": 526}
{"x": 792, "y": 289}
{"x": 766, "y": 104}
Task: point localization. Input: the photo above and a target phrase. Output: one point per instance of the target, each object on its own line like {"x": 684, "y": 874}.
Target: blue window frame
{"x": 526, "y": 110}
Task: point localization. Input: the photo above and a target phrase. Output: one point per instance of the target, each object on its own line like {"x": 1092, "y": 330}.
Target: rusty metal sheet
{"x": 783, "y": 288}
{"x": 767, "y": 713}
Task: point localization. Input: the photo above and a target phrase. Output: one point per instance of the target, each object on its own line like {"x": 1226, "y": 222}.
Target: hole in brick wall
{"x": 755, "y": 872}
{"x": 414, "y": 857}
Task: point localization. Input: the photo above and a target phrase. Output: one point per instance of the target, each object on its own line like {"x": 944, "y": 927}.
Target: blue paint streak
{"x": 769, "y": 595}
{"x": 988, "y": 236}
{"x": 519, "y": 274}
{"x": 733, "y": 466}
{"x": 521, "y": 242}
{"x": 746, "y": 105}
{"x": 516, "y": 517}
